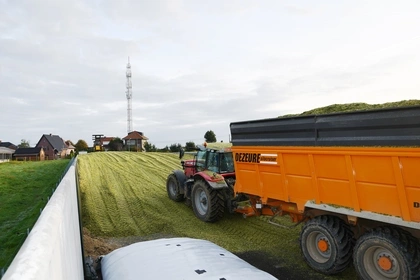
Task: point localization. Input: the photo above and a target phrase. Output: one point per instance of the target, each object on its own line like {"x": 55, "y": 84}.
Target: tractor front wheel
{"x": 327, "y": 244}
{"x": 208, "y": 204}
{"x": 172, "y": 187}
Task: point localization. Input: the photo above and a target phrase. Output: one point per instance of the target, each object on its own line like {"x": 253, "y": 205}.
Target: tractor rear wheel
{"x": 208, "y": 204}
{"x": 326, "y": 243}
{"x": 172, "y": 187}
{"x": 387, "y": 253}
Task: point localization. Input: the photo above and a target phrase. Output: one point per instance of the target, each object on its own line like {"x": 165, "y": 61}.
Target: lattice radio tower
{"x": 129, "y": 95}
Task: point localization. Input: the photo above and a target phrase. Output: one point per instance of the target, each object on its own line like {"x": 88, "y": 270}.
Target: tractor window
{"x": 212, "y": 163}
{"x": 226, "y": 163}
{"x": 201, "y": 160}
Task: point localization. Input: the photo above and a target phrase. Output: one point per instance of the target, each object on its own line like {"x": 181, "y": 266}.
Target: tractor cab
{"x": 217, "y": 161}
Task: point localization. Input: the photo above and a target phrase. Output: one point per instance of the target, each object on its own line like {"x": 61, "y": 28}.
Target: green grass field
{"x": 24, "y": 188}
{"x": 351, "y": 107}
{"x": 124, "y": 194}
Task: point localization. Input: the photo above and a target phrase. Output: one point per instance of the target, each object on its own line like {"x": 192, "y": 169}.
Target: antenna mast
{"x": 129, "y": 95}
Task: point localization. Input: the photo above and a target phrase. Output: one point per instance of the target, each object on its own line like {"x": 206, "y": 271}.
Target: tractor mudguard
{"x": 215, "y": 180}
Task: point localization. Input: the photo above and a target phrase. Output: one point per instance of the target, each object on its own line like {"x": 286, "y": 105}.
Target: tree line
{"x": 209, "y": 137}
{"x": 117, "y": 144}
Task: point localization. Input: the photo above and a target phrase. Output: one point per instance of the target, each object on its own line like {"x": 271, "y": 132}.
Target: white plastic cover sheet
{"x": 177, "y": 258}
{"x": 53, "y": 248}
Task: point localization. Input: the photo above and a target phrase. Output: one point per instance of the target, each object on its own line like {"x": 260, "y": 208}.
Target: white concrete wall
{"x": 53, "y": 248}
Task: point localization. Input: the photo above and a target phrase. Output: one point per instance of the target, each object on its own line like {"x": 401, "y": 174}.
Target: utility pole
{"x": 129, "y": 95}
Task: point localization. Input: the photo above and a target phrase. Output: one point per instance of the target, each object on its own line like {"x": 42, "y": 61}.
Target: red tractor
{"x": 206, "y": 182}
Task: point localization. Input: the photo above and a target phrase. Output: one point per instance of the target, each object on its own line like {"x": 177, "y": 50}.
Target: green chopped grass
{"x": 351, "y": 107}
{"x": 219, "y": 145}
{"x": 124, "y": 195}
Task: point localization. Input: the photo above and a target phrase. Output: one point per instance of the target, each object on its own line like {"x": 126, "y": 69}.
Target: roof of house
{"x": 135, "y": 135}
{"x": 7, "y": 144}
{"x": 56, "y": 141}
{"x": 107, "y": 139}
{"x": 69, "y": 145}
{"x": 27, "y": 151}
{"x": 4, "y": 150}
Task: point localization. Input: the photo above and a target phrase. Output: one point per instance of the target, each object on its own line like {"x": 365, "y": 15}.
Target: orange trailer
{"x": 366, "y": 182}
{"x": 353, "y": 179}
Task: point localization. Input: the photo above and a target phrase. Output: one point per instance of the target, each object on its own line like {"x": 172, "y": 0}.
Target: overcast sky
{"x": 196, "y": 65}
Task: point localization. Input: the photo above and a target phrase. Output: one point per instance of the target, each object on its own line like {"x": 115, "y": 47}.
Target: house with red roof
{"x": 135, "y": 141}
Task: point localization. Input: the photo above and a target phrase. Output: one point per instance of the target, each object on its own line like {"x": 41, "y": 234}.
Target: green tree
{"x": 175, "y": 147}
{"x": 164, "y": 150}
{"x": 24, "y": 144}
{"x": 71, "y": 155}
{"x": 116, "y": 144}
{"x": 210, "y": 137}
{"x": 189, "y": 146}
{"x": 81, "y": 145}
{"x": 149, "y": 147}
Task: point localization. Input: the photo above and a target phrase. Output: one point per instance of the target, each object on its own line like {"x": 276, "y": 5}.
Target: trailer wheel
{"x": 172, "y": 187}
{"x": 208, "y": 204}
{"x": 326, "y": 243}
{"x": 387, "y": 253}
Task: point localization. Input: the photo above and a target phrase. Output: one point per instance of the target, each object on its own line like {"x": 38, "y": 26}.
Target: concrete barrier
{"x": 53, "y": 248}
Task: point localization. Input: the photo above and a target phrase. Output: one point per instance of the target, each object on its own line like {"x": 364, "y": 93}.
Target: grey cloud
{"x": 196, "y": 66}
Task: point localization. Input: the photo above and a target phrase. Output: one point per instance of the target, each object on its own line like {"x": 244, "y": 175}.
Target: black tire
{"x": 327, "y": 244}
{"x": 387, "y": 253}
{"x": 208, "y": 204}
{"x": 173, "y": 188}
